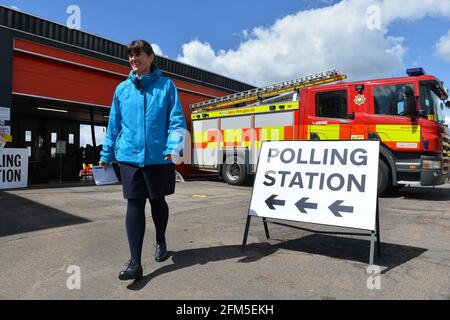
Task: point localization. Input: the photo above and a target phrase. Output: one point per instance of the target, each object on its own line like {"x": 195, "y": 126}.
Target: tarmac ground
{"x": 70, "y": 243}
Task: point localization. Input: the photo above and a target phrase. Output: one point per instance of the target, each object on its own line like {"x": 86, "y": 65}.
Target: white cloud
{"x": 315, "y": 40}
{"x": 198, "y": 53}
{"x": 443, "y": 47}
{"x": 157, "y": 50}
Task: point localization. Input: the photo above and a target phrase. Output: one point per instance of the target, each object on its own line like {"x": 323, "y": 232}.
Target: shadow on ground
{"x": 19, "y": 215}
{"x": 393, "y": 255}
{"x": 431, "y": 194}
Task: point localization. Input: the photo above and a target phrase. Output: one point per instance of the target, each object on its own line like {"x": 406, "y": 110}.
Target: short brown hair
{"x": 137, "y": 46}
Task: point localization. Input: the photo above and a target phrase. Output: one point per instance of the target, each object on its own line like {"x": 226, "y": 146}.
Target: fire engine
{"x": 405, "y": 114}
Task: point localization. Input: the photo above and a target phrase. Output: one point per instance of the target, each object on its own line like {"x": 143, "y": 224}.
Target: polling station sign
{"x": 321, "y": 182}
{"x": 13, "y": 168}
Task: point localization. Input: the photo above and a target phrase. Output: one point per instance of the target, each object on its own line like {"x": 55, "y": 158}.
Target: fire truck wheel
{"x": 234, "y": 173}
{"x": 384, "y": 178}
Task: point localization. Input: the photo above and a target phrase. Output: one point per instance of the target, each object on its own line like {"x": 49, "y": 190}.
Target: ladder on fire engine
{"x": 269, "y": 91}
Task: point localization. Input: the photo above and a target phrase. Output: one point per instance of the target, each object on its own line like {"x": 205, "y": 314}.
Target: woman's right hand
{"x": 102, "y": 164}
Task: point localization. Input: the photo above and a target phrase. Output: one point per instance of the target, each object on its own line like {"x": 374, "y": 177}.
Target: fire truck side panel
{"x": 271, "y": 127}
{"x": 206, "y": 143}
{"x": 236, "y": 132}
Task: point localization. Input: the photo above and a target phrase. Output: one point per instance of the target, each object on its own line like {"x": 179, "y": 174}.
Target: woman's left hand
{"x": 174, "y": 158}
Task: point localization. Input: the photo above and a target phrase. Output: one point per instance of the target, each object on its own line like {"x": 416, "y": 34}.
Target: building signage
{"x": 5, "y": 125}
{"x": 5, "y": 114}
{"x": 13, "y": 168}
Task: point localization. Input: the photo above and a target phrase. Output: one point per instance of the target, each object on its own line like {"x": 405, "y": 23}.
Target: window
{"x": 28, "y": 136}
{"x": 332, "y": 104}
{"x": 54, "y": 137}
{"x": 431, "y": 102}
{"x": 390, "y": 100}
{"x": 86, "y": 135}
{"x": 71, "y": 138}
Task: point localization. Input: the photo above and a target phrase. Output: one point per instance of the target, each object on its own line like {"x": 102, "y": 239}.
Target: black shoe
{"x": 132, "y": 272}
{"x": 161, "y": 252}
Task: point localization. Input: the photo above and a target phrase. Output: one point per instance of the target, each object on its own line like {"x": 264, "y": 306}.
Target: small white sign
{"x": 5, "y": 114}
{"x": 407, "y": 145}
{"x": 13, "y": 168}
{"x": 60, "y": 147}
{"x": 322, "y": 182}
{"x": 5, "y": 130}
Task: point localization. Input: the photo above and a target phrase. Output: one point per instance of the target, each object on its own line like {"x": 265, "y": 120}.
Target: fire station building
{"x": 58, "y": 85}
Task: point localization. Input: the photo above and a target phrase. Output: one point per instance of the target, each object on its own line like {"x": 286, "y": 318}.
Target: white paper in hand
{"x": 104, "y": 176}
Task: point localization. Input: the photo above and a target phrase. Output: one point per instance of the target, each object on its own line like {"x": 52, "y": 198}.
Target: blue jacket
{"x": 146, "y": 121}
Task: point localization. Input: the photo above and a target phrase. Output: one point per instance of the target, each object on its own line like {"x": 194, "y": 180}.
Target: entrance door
{"x": 328, "y": 115}
{"x": 63, "y": 166}
{"x": 30, "y": 135}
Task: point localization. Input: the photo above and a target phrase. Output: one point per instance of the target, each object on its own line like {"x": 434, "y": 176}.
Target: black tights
{"x": 135, "y": 223}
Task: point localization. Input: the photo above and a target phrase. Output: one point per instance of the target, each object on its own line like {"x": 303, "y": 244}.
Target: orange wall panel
{"x": 48, "y": 78}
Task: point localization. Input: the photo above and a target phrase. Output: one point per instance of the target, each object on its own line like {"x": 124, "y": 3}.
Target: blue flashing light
{"x": 415, "y": 72}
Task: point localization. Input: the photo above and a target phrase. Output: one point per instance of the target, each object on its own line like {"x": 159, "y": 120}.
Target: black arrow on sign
{"x": 302, "y": 205}
{"x": 271, "y": 202}
{"x": 336, "y": 208}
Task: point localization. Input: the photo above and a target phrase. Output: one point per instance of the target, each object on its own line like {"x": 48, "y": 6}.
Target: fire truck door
{"x": 359, "y": 108}
{"x": 327, "y": 115}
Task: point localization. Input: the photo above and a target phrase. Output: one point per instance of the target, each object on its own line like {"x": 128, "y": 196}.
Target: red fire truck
{"x": 405, "y": 114}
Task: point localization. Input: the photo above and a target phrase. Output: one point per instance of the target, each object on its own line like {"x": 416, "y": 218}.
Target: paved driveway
{"x": 45, "y": 231}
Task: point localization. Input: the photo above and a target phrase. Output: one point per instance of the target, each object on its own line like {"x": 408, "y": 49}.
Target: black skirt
{"x": 152, "y": 182}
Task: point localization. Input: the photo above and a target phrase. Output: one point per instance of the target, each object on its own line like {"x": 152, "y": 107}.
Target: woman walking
{"x": 145, "y": 135}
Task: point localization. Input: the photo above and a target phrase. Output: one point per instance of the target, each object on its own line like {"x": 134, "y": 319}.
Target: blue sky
{"x": 172, "y": 24}
{"x": 262, "y": 42}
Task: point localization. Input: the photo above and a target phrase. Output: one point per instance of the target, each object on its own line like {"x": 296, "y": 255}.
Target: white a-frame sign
{"x": 330, "y": 183}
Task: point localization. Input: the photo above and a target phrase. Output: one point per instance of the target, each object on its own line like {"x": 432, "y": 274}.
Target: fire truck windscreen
{"x": 430, "y": 101}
